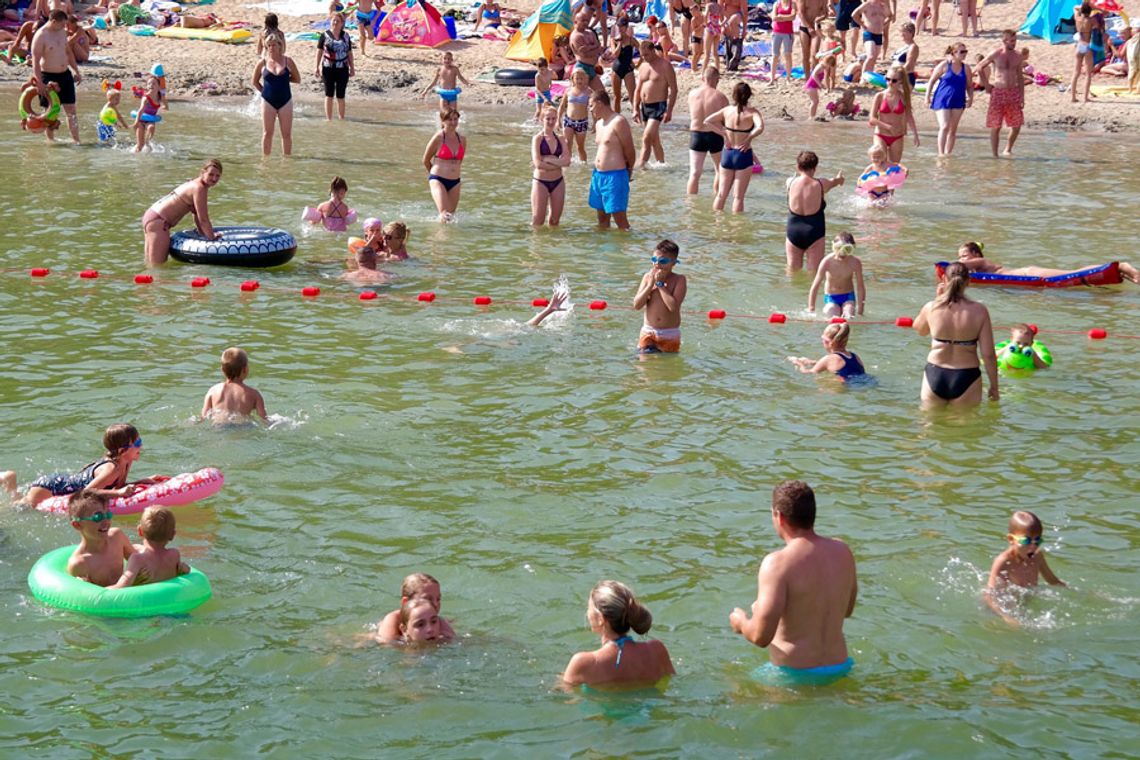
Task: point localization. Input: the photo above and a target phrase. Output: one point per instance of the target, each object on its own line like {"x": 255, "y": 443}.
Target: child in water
{"x": 542, "y": 80}
{"x": 844, "y": 363}
{"x": 417, "y": 588}
{"x": 661, "y": 293}
{"x": 99, "y": 557}
{"x": 153, "y": 562}
{"x": 105, "y": 477}
{"x": 334, "y": 213}
{"x": 146, "y": 117}
{"x": 109, "y": 116}
{"x": 1021, "y": 338}
{"x": 841, "y": 274}
{"x": 419, "y": 623}
{"x": 447, "y": 77}
{"x": 1021, "y": 564}
{"x": 874, "y": 182}
{"x": 232, "y": 398}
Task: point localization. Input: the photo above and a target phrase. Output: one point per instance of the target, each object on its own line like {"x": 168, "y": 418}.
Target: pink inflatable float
{"x": 174, "y": 492}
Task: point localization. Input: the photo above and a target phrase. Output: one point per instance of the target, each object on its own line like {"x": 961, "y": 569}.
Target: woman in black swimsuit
{"x": 963, "y": 328}
{"x": 682, "y": 11}
{"x": 549, "y": 156}
{"x": 806, "y": 230}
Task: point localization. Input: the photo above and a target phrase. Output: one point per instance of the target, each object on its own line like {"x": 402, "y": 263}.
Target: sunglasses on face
{"x": 963, "y": 52}
{"x": 97, "y": 517}
{"x": 662, "y": 260}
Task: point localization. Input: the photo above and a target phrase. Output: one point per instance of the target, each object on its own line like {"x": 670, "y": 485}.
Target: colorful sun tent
{"x": 413, "y": 23}
{"x": 536, "y": 36}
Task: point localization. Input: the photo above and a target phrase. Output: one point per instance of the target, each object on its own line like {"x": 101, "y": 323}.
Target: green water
{"x": 520, "y": 467}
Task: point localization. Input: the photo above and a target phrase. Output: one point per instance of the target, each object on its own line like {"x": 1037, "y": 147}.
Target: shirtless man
{"x": 661, "y": 293}
{"x": 703, "y": 102}
{"x": 653, "y": 100}
{"x": 733, "y": 41}
{"x": 805, "y": 591}
{"x": 1007, "y": 96}
{"x": 874, "y": 16}
{"x": 53, "y": 61}
{"x": 810, "y": 10}
{"x": 613, "y": 163}
{"x": 586, "y": 47}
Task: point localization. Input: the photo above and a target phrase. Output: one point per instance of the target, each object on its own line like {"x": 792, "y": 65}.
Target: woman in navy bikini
{"x": 272, "y": 77}
{"x": 614, "y": 610}
{"x": 739, "y": 124}
{"x": 891, "y": 114}
{"x": 442, "y": 159}
{"x": 549, "y": 155}
{"x": 959, "y": 329}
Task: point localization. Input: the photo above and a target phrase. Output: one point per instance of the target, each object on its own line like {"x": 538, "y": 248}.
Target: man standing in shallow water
{"x": 1007, "y": 95}
{"x": 806, "y": 590}
{"x": 613, "y": 164}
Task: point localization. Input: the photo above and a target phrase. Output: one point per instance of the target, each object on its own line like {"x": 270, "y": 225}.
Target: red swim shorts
{"x": 1005, "y": 103}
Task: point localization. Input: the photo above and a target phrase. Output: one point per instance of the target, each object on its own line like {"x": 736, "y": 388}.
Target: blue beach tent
{"x": 1045, "y": 20}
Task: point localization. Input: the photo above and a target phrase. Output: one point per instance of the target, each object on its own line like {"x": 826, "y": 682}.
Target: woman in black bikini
{"x": 167, "y": 211}
{"x": 962, "y": 327}
{"x": 549, "y": 156}
{"x": 806, "y": 231}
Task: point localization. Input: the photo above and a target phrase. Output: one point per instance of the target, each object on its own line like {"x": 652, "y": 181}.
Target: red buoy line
{"x": 713, "y": 315}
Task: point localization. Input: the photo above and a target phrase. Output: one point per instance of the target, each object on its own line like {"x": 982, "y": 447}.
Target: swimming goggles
{"x": 663, "y": 260}
{"x": 1027, "y": 540}
{"x": 97, "y": 517}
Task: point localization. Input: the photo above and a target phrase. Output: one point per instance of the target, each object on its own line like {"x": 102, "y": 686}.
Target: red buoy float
{"x": 41, "y": 272}
{"x": 717, "y": 314}
{"x": 482, "y": 300}
{"x": 1098, "y": 333}
{"x": 837, "y": 320}
{"x": 540, "y": 302}
{"x": 200, "y": 282}
{"x": 143, "y": 279}
{"x": 598, "y": 305}
{"x": 310, "y": 291}
{"x": 427, "y": 296}
{"x": 904, "y": 322}
{"x": 368, "y": 295}
{"x": 776, "y": 318}
{"x": 249, "y": 286}
{"x": 89, "y": 274}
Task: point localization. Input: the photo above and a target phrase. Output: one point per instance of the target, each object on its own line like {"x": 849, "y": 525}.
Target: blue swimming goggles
{"x": 97, "y": 517}
{"x": 1026, "y": 540}
{"x": 663, "y": 260}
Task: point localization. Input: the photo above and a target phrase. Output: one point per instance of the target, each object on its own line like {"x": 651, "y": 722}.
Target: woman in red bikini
{"x": 891, "y": 114}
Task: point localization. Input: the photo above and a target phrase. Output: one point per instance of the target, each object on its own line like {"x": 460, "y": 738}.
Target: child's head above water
{"x": 1022, "y": 334}
{"x": 843, "y": 245}
{"x": 1025, "y": 531}
{"x": 338, "y": 187}
{"x": 157, "y": 525}
{"x": 373, "y": 224}
{"x": 619, "y": 608}
{"x": 235, "y": 363}
{"x": 85, "y": 503}
{"x": 420, "y": 586}
{"x": 119, "y": 438}
{"x": 419, "y": 620}
{"x": 835, "y": 336}
{"x": 877, "y": 153}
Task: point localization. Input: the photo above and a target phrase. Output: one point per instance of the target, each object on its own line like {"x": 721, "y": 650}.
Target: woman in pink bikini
{"x": 167, "y": 211}
{"x": 891, "y": 114}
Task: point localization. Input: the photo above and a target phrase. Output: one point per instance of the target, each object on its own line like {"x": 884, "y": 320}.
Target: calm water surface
{"x": 522, "y": 466}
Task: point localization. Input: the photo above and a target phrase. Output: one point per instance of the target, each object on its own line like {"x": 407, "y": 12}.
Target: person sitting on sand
{"x": 612, "y": 612}
{"x": 970, "y": 254}
{"x": 80, "y": 40}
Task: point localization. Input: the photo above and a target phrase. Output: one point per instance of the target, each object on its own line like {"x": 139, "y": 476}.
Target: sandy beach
{"x": 203, "y": 69}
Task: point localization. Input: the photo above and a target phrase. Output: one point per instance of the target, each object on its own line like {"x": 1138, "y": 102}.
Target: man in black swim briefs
{"x": 704, "y": 101}
{"x": 54, "y": 61}
{"x": 653, "y": 100}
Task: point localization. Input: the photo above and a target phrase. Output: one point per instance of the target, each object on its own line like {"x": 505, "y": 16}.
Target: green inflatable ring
{"x": 1011, "y": 356}
{"x": 51, "y": 584}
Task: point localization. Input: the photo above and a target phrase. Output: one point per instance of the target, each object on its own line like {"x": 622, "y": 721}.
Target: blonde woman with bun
{"x": 844, "y": 363}
{"x": 612, "y": 612}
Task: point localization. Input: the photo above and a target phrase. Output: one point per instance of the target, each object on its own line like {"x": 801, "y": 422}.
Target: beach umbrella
{"x": 1108, "y": 6}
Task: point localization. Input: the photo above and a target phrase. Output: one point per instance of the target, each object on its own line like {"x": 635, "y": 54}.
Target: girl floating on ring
{"x": 881, "y": 178}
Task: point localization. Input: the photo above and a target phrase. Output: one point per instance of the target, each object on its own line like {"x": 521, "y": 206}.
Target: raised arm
{"x": 644, "y": 291}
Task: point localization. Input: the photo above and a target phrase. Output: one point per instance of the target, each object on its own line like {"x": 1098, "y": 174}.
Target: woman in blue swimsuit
{"x": 958, "y": 328}
{"x": 272, "y": 77}
{"x": 549, "y": 155}
{"x": 951, "y": 94}
{"x": 739, "y": 124}
{"x": 612, "y": 611}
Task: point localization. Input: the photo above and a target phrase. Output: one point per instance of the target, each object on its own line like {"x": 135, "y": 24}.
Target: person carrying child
{"x": 99, "y": 557}
{"x": 153, "y": 562}
{"x": 841, "y": 274}
{"x": 146, "y": 117}
{"x": 661, "y": 293}
{"x": 416, "y": 589}
{"x": 845, "y": 364}
{"x": 105, "y": 477}
{"x": 232, "y": 398}
{"x": 1021, "y": 564}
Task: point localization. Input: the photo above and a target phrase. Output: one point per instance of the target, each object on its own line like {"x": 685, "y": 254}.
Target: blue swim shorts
{"x": 781, "y": 675}
{"x": 609, "y": 191}
{"x": 837, "y": 298}
{"x": 448, "y": 96}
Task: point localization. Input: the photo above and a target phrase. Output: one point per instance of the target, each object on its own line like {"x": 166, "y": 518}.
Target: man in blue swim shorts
{"x": 806, "y": 590}
{"x": 613, "y": 164}
{"x": 874, "y": 16}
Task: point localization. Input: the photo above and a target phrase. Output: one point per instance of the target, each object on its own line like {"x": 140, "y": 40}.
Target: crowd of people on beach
{"x": 808, "y": 588}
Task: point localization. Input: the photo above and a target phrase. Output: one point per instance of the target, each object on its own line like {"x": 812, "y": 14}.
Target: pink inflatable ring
{"x": 181, "y": 489}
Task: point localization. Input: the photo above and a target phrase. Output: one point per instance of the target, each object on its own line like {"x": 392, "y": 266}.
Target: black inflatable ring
{"x": 237, "y": 247}
{"x": 515, "y": 77}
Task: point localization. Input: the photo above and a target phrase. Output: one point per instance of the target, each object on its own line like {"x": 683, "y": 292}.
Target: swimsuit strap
{"x": 620, "y": 641}
{"x": 973, "y": 342}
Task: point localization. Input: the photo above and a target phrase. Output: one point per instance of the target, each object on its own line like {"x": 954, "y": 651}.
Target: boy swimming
{"x": 1021, "y": 564}
{"x": 232, "y": 397}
